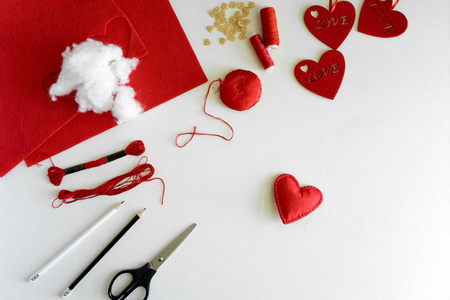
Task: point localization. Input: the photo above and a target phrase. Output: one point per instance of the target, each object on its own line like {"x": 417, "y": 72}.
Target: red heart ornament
{"x": 378, "y": 19}
{"x": 323, "y": 78}
{"x": 294, "y": 202}
{"x": 332, "y": 28}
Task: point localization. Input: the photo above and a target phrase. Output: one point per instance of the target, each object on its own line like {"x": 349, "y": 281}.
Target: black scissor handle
{"x": 141, "y": 278}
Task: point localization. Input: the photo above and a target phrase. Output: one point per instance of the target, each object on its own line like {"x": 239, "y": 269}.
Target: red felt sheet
{"x": 33, "y": 35}
{"x": 169, "y": 69}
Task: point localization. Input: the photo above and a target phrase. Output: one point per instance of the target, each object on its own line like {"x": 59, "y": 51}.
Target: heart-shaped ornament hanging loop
{"x": 394, "y": 5}
{"x": 333, "y": 6}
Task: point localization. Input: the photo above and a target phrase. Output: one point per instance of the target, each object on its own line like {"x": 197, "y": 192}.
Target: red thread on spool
{"x": 269, "y": 27}
{"x": 115, "y": 186}
{"x": 261, "y": 52}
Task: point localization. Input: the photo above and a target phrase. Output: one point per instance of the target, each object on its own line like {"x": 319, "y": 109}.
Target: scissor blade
{"x": 162, "y": 257}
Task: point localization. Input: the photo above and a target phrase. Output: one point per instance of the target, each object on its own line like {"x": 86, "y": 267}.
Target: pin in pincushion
{"x": 240, "y": 90}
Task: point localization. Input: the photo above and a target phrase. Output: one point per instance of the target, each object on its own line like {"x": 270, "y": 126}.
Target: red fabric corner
{"x": 34, "y": 34}
{"x": 169, "y": 69}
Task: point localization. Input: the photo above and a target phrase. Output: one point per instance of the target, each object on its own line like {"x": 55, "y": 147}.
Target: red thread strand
{"x": 135, "y": 148}
{"x": 96, "y": 163}
{"x": 38, "y": 159}
{"x": 269, "y": 27}
{"x": 332, "y": 6}
{"x": 164, "y": 188}
{"x": 261, "y": 52}
{"x": 56, "y": 174}
{"x": 115, "y": 186}
{"x": 194, "y": 132}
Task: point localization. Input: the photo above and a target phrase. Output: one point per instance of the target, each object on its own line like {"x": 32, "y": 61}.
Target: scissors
{"x": 143, "y": 275}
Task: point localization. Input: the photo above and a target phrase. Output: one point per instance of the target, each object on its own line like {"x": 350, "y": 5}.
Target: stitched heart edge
{"x": 309, "y": 187}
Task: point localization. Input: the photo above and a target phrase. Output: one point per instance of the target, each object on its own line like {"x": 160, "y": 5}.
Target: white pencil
{"x": 75, "y": 242}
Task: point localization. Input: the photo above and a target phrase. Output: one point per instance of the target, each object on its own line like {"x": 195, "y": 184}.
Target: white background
{"x": 380, "y": 153}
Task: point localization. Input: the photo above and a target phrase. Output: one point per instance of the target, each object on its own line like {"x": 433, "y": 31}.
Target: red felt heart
{"x": 117, "y": 32}
{"x": 49, "y": 80}
{"x": 294, "y": 202}
{"x": 323, "y": 78}
{"x": 331, "y": 28}
{"x": 379, "y": 19}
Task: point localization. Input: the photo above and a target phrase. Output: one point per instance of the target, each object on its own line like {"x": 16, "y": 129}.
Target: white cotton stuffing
{"x": 99, "y": 73}
{"x": 125, "y": 107}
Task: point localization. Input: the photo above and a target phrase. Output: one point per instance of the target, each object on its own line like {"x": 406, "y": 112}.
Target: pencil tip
{"x": 141, "y": 213}
{"x": 119, "y": 205}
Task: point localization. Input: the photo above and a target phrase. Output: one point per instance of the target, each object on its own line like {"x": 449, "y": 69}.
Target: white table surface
{"x": 380, "y": 153}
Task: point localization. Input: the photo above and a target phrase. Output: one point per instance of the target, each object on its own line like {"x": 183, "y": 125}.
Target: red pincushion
{"x": 240, "y": 90}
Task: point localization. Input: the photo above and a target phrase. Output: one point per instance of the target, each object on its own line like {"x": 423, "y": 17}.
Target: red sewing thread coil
{"x": 115, "y": 186}
{"x": 56, "y": 174}
{"x": 269, "y": 27}
{"x": 194, "y": 132}
{"x": 261, "y": 52}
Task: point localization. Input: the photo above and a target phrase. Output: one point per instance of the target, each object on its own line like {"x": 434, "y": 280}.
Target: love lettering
{"x": 379, "y": 11}
{"x": 319, "y": 74}
{"x": 325, "y": 23}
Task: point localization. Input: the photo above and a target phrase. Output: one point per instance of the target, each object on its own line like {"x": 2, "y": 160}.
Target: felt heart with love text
{"x": 294, "y": 202}
{"x": 379, "y": 19}
{"x": 331, "y": 26}
{"x": 323, "y": 78}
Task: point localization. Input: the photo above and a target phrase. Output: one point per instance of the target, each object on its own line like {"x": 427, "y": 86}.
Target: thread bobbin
{"x": 269, "y": 27}
{"x": 261, "y": 52}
